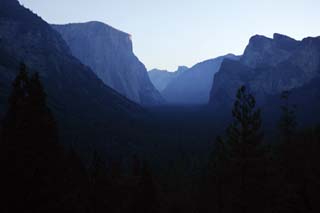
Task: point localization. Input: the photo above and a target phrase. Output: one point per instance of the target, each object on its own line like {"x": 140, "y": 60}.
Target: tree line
{"x": 41, "y": 175}
{"x": 245, "y": 173}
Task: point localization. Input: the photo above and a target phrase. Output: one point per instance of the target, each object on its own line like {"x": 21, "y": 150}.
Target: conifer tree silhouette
{"x": 31, "y": 154}
{"x": 239, "y": 162}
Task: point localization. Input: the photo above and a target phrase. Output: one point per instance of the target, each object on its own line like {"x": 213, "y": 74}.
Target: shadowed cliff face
{"x": 108, "y": 52}
{"x": 75, "y": 93}
{"x": 268, "y": 67}
{"x": 262, "y": 51}
{"x": 162, "y": 78}
{"x": 192, "y": 87}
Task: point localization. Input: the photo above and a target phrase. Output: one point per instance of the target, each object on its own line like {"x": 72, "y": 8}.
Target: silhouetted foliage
{"x": 239, "y": 163}
{"x": 31, "y": 155}
{"x": 298, "y": 164}
{"x": 243, "y": 174}
{"x": 38, "y": 175}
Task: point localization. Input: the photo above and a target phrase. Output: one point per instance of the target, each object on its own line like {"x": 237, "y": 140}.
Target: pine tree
{"x": 14, "y": 121}
{"x": 14, "y": 131}
{"x": 294, "y": 159}
{"x": 31, "y": 155}
{"x": 240, "y": 164}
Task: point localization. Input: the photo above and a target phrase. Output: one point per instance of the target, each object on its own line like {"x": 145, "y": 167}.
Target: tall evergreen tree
{"x": 294, "y": 159}
{"x": 31, "y": 155}
{"x": 13, "y": 124}
{"x": 240, "y": 165}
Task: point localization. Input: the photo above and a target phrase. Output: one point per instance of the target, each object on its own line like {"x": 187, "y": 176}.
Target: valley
{"x": 84, "y": 127}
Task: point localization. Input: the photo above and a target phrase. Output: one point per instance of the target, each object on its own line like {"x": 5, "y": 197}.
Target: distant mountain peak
{"x": 268, "y": 67}
{"x": 264, "y": 51}
{"x": 232, "y": 56}
{"x": 285, "y": 42}
{"x": 26, "y": 37}
{"x": 278, "y": 36}
{"x": 258, "y": 39}
{"x": 104, "y": 25}
{"x": 192, "y": 87}
{"x": 161, "y": 78}
{"x": 157, "y": 70}
{"x": 95, "y": 26}
{"x": 179, "y": 69}
{"x": 182, "y": 68}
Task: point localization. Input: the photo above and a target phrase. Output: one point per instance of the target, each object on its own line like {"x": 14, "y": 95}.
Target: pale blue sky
{"x": 168, "y": 33}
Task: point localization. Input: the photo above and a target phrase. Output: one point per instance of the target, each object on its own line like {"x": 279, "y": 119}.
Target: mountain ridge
{"x": 161, "y": 78}
{"x": 78, "y": 98}
{"x": 109, "y": 53}
{"x": 193, "y": 86}
{"x": 267, "y": 68}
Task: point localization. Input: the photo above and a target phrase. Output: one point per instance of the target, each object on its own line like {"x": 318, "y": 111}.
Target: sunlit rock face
{"x": 108, "y": 52}
{"x": 267, "y": 67}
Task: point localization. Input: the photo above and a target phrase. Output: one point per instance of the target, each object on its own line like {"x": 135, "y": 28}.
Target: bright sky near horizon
{"x": 169, "y": 33}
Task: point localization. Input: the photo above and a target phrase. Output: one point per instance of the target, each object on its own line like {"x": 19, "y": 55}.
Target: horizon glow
{"x": 170, "y": 33}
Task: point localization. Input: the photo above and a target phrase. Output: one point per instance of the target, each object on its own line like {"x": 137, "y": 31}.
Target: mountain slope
{"x": 108, "y": 52}
{"x": 268, "y": 67}
{"x": 78, "y": 98}
{"x": 193, "y": 86}
{"x": 161, "y": 78}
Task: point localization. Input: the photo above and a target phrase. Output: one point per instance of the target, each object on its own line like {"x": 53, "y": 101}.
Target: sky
{"x": 169, "y": 33}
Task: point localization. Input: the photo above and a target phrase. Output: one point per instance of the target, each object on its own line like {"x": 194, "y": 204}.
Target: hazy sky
{"x": 168, "y": 33}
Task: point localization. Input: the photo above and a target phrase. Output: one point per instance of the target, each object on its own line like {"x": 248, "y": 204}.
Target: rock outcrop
{"x": 108, "y": 52}
{"x": 267, "y": 67}
{"x": 78, "y": 98}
